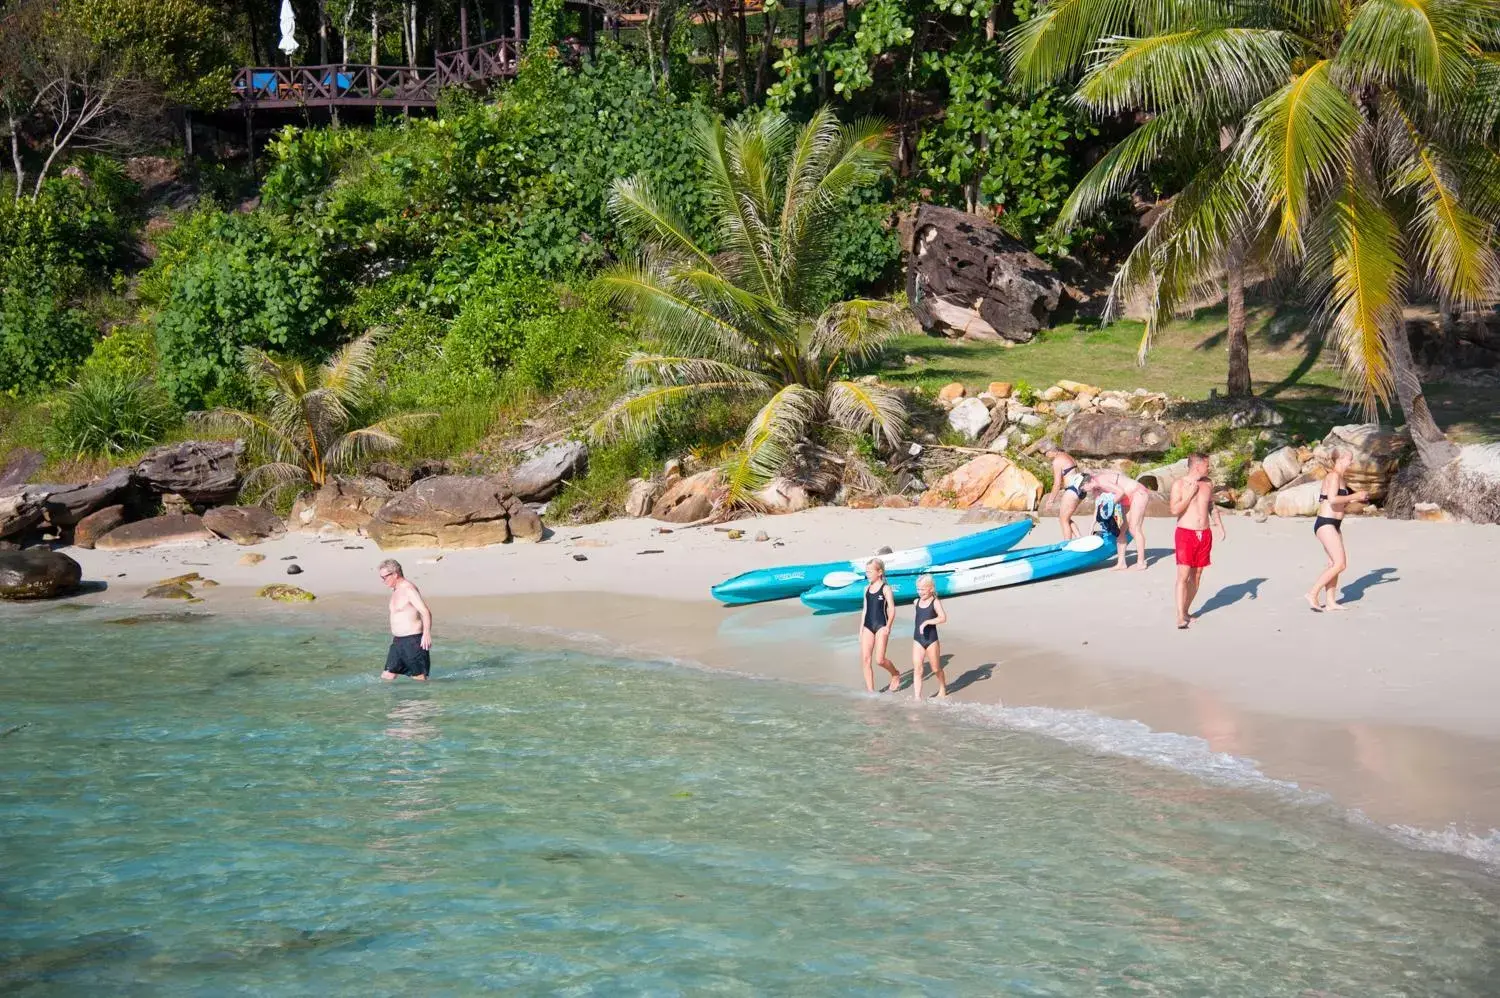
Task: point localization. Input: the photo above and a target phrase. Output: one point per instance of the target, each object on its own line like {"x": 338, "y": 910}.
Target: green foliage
{"x": 230, "y": 281}
{"x": 1025, "y": 394}
{"x": 600, "y": 493}
{"x": 178, "y": 45}
{"x": 105, "y": 413}
{"x": 41, "y": 338}
{"x": 128, "y": 351}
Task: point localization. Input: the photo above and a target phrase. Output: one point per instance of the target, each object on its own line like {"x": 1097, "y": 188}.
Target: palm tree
{"x": 1363, "y": 152}
{"x": 750, "y": 321}
{"x": 304, "y": 434}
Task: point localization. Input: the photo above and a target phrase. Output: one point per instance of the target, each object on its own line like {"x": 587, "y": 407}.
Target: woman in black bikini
{"x": 1329, "y": 530}
{"x": 875, "y": 627}
{"x": 926, "y": 649}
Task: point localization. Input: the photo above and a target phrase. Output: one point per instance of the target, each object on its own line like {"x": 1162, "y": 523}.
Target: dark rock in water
{"x": 176, "y": 617}
{"x": 541, "y": 476}
{"x": 204, "y": 472}
{"x": 98, "y": 523}
{"x": 171, "y": 590}
{"x": 294, "y": 569}
{"x": 244, "y": 524}
{"x": 37, "y": 573}
{"x": 65, "y": 507}
{"x": 968, "y": 277}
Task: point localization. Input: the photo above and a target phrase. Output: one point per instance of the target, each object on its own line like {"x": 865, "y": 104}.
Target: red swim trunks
{"x": 1194, "y": 547}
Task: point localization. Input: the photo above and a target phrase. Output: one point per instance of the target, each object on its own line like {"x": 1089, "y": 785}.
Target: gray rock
{"x": 642, "y": 496}
{"x": 204, "y": 472}
{"x": 1100, "y": 434}
{"x": 37, "y": 573}
{"x": 1255, "y": 412}
{"x": 294, "y": 569}
{"x": 244, "y": 524}
{"x": 66, "y": 506}
{"x": 449, "y": 511}
{"x": 20, "y": 464}
{"x": 1065, "y": 408}
{"x": 18, "y": 514}
{"x": 342, "y": 504}
{"x": 542, "y": 475}
{"x": 970, "y": 417}
{"x": 979, "y": 270}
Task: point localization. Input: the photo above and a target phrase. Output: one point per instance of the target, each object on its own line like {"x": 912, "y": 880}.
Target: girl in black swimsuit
{"x": 1329, "y": 529}
{"x": 875, "y": 627}
{"x": 926, "y": 649}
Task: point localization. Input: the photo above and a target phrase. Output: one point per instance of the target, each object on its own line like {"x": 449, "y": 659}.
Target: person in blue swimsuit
{"x": 926, "y": 649}
{"x": 1328, "y": 528}
{"x": 875, "y": 627}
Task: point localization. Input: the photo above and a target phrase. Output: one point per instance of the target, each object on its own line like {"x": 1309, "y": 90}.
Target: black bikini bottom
{"x": 1324, "y": 521}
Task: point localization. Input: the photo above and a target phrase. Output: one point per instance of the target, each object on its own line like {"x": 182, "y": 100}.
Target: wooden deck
{"x": 343, "y": 85}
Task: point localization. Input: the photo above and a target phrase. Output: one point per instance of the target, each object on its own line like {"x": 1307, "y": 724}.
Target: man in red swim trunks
{"x": 1192, "y": 502}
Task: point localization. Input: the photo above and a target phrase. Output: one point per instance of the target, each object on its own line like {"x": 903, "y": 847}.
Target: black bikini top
{"x": 1343, "y": 491}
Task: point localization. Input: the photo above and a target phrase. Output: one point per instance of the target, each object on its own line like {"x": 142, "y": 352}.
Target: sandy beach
{"x": 1390, "y": 708}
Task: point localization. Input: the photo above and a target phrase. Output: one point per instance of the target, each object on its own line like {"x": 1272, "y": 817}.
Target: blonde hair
{"x": 877, "y": 565}
{"x": 926, "y": 582}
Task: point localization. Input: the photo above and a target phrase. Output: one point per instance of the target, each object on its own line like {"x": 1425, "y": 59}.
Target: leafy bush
{"x": 228, "y": 281}
{"x": 41, "y": 338}
{"x": 128, "y": 351}
{"x": 1025, "y": 394}
{"x": 105, "y": 413}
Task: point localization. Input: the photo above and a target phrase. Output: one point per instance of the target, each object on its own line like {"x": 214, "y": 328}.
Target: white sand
{"x": 1394, "y": 705}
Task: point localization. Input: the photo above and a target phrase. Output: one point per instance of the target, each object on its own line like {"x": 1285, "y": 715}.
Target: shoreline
{"x": 1386, "y": 710}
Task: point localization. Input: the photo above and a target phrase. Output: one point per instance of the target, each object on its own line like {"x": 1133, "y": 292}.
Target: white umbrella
{"x": 288, "y": 28}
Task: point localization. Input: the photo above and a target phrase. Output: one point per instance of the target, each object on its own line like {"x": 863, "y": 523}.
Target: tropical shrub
{"x": 752, "y": 321}
{"x": 105, "y": 413}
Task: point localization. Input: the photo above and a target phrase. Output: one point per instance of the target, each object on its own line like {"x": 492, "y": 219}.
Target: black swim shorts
{"x": 407, "y": 657}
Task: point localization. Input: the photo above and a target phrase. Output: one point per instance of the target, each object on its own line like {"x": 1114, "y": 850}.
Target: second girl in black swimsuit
{"x": 926, "y": 649}
{"x": 1329, "y": 529}
{"x": 875, "y": 627}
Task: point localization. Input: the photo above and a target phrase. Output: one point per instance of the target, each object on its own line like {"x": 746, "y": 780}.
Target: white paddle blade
{"x": 838, "y": 580}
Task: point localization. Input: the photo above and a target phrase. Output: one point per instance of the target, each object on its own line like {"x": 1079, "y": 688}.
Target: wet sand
{"x": 1392, "y": 708}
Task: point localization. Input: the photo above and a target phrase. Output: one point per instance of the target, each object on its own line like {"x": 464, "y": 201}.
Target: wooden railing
{"x": 344, "y": 85}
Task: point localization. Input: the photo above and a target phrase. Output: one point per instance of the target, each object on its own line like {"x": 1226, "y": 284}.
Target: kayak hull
{"x": 1008, "y": 569}
{"x": 763, "y": 584}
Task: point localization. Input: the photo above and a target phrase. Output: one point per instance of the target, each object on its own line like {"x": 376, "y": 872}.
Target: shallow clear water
{"x": 199, "y": 806}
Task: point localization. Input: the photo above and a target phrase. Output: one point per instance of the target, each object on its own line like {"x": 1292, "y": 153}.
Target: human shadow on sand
{"x": 1355, "y": 591}
{"x": 975, "y": 675}
{"x": 1230, "y": 595}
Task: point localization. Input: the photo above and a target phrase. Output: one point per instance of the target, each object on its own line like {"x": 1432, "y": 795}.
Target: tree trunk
{"x": 770, "y": 21}
{"x": 1433, "y": 447}
{"x": 1239, "y": 343}
{"x": 801, "y": 26}
{"x": 374, "y": 37}
{"x": 822, "y": 24}
{"x": 715, "y": 28}
{"x": 255, "y": 49}
{"x": 323, "y": 32}
{"x": 15, "y": 153}
{"x": 741, "y": 50}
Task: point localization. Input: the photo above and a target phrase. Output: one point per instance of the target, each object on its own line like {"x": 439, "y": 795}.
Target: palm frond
{"x": 1421, "y": 44}
{"x": 740, "y": 230}
{"x": 858, "y": 330}
{"x": 656, "y": 369}
{"x": 638, "y": 412}
{"x": 1208, "y": 67}
{"x": 779, "y": 424}
{"x": 672, "y": 315}
{"x": 1296, "y": 143}
{"x": 874, "y": 409}
{"x": 377, "y": 438}
{"x": 347, "y": 371}
{"x": 636, "y": 209}
{"x": 273, "y": 476}
{"x": 260, "y": 435}
{"x": 1055, "y": 41}
{"x": 1117, "y": 169}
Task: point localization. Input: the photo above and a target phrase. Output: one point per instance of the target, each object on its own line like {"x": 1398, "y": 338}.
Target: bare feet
{"x": 1335, "y": 607}
{"x": 1119, "y": 566}
{"x": 895, "y": 684}
{"x": 1182, "y": 623}
{"x": 941, "y": 695}
{"x": 1312, "y": 602}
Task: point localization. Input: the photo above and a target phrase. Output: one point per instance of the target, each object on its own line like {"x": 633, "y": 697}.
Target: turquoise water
{"x": 195, "y": 806}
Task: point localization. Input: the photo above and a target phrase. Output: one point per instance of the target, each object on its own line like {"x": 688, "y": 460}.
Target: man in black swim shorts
{"x": 411, "y": 626}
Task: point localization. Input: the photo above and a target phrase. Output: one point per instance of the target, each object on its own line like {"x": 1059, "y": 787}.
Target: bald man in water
{"x": 411, "y": 626}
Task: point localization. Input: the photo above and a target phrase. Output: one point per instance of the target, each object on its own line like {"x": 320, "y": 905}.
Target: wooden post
{"x": 250, "y": 137}
{"x": 515, "y": 11}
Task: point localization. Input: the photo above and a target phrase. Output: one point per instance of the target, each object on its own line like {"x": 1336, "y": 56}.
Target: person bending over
{"x": 1067, "y": 476}
{"x": 1132, "y": 497}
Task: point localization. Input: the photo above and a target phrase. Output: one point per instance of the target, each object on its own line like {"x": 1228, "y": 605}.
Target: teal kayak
{"x": 1008, "y": 569}
{"x": 763, "y": 584}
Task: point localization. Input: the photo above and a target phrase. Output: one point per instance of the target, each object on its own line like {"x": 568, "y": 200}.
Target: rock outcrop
{"x": 87, "y": 531}
{"x": 65, "y": 506}
{"x": 1102, "y": 434}
{"x": 37, "y": 573}
{"x": 991, "y": 481}
{"x": 343, "y": 503}
{"x": 18, "y": 514}
{"x": 967, "y": 276}
{"x": 204, "y": 472}
{"x": 642, "y": 497}
{"x": 173, "y": 528}
{"x": 450, "y": 511}
{"x": 20, "y": 464}
{"x": 244, "y": 524}
{"x": 542, "y": 475}
{"x": 1376, "y": 449}
{"x": 688, "y": 499}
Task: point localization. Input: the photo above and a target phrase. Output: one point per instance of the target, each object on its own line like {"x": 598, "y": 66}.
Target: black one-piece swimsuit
{"x": 925, "y": 636}
{"x": 875, "y": 617}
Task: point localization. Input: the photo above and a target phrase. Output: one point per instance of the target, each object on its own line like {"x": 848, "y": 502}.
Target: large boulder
{"x": 1377, "y": 451}
{"x": 37, "y": 573}
{"x": 1297, "y": 500}
{"x": 173, "y": 528}
{"x": 967, "y": 276}
{"x": 448, "y": 511}
{"x": 1282, "y": 465}
{"x": 1161, "y": 479}
{"x": 87, "y": 531}
{"x": 343, "y": 503}
{"x": 688, "y": 499}
{"x": 783, "y": 495}
{"x": 990, "y": 480}
{"x": 244, "y": 524}
{"x": 204, "y": 472}
{"x": 970, "y": 417}
{"x": 20, "y": 464}
{"x": 18, "y": 514}
{"x": 64, "y": 507}
{"x": 1102, "y": 434}
{"x": 642, "y": 496}
{"x": 541, "y": 476}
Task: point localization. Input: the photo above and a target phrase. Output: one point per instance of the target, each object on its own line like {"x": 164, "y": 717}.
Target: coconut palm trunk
{"x": 1433, "y": 446}
{"x": 1239, "y": 341}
